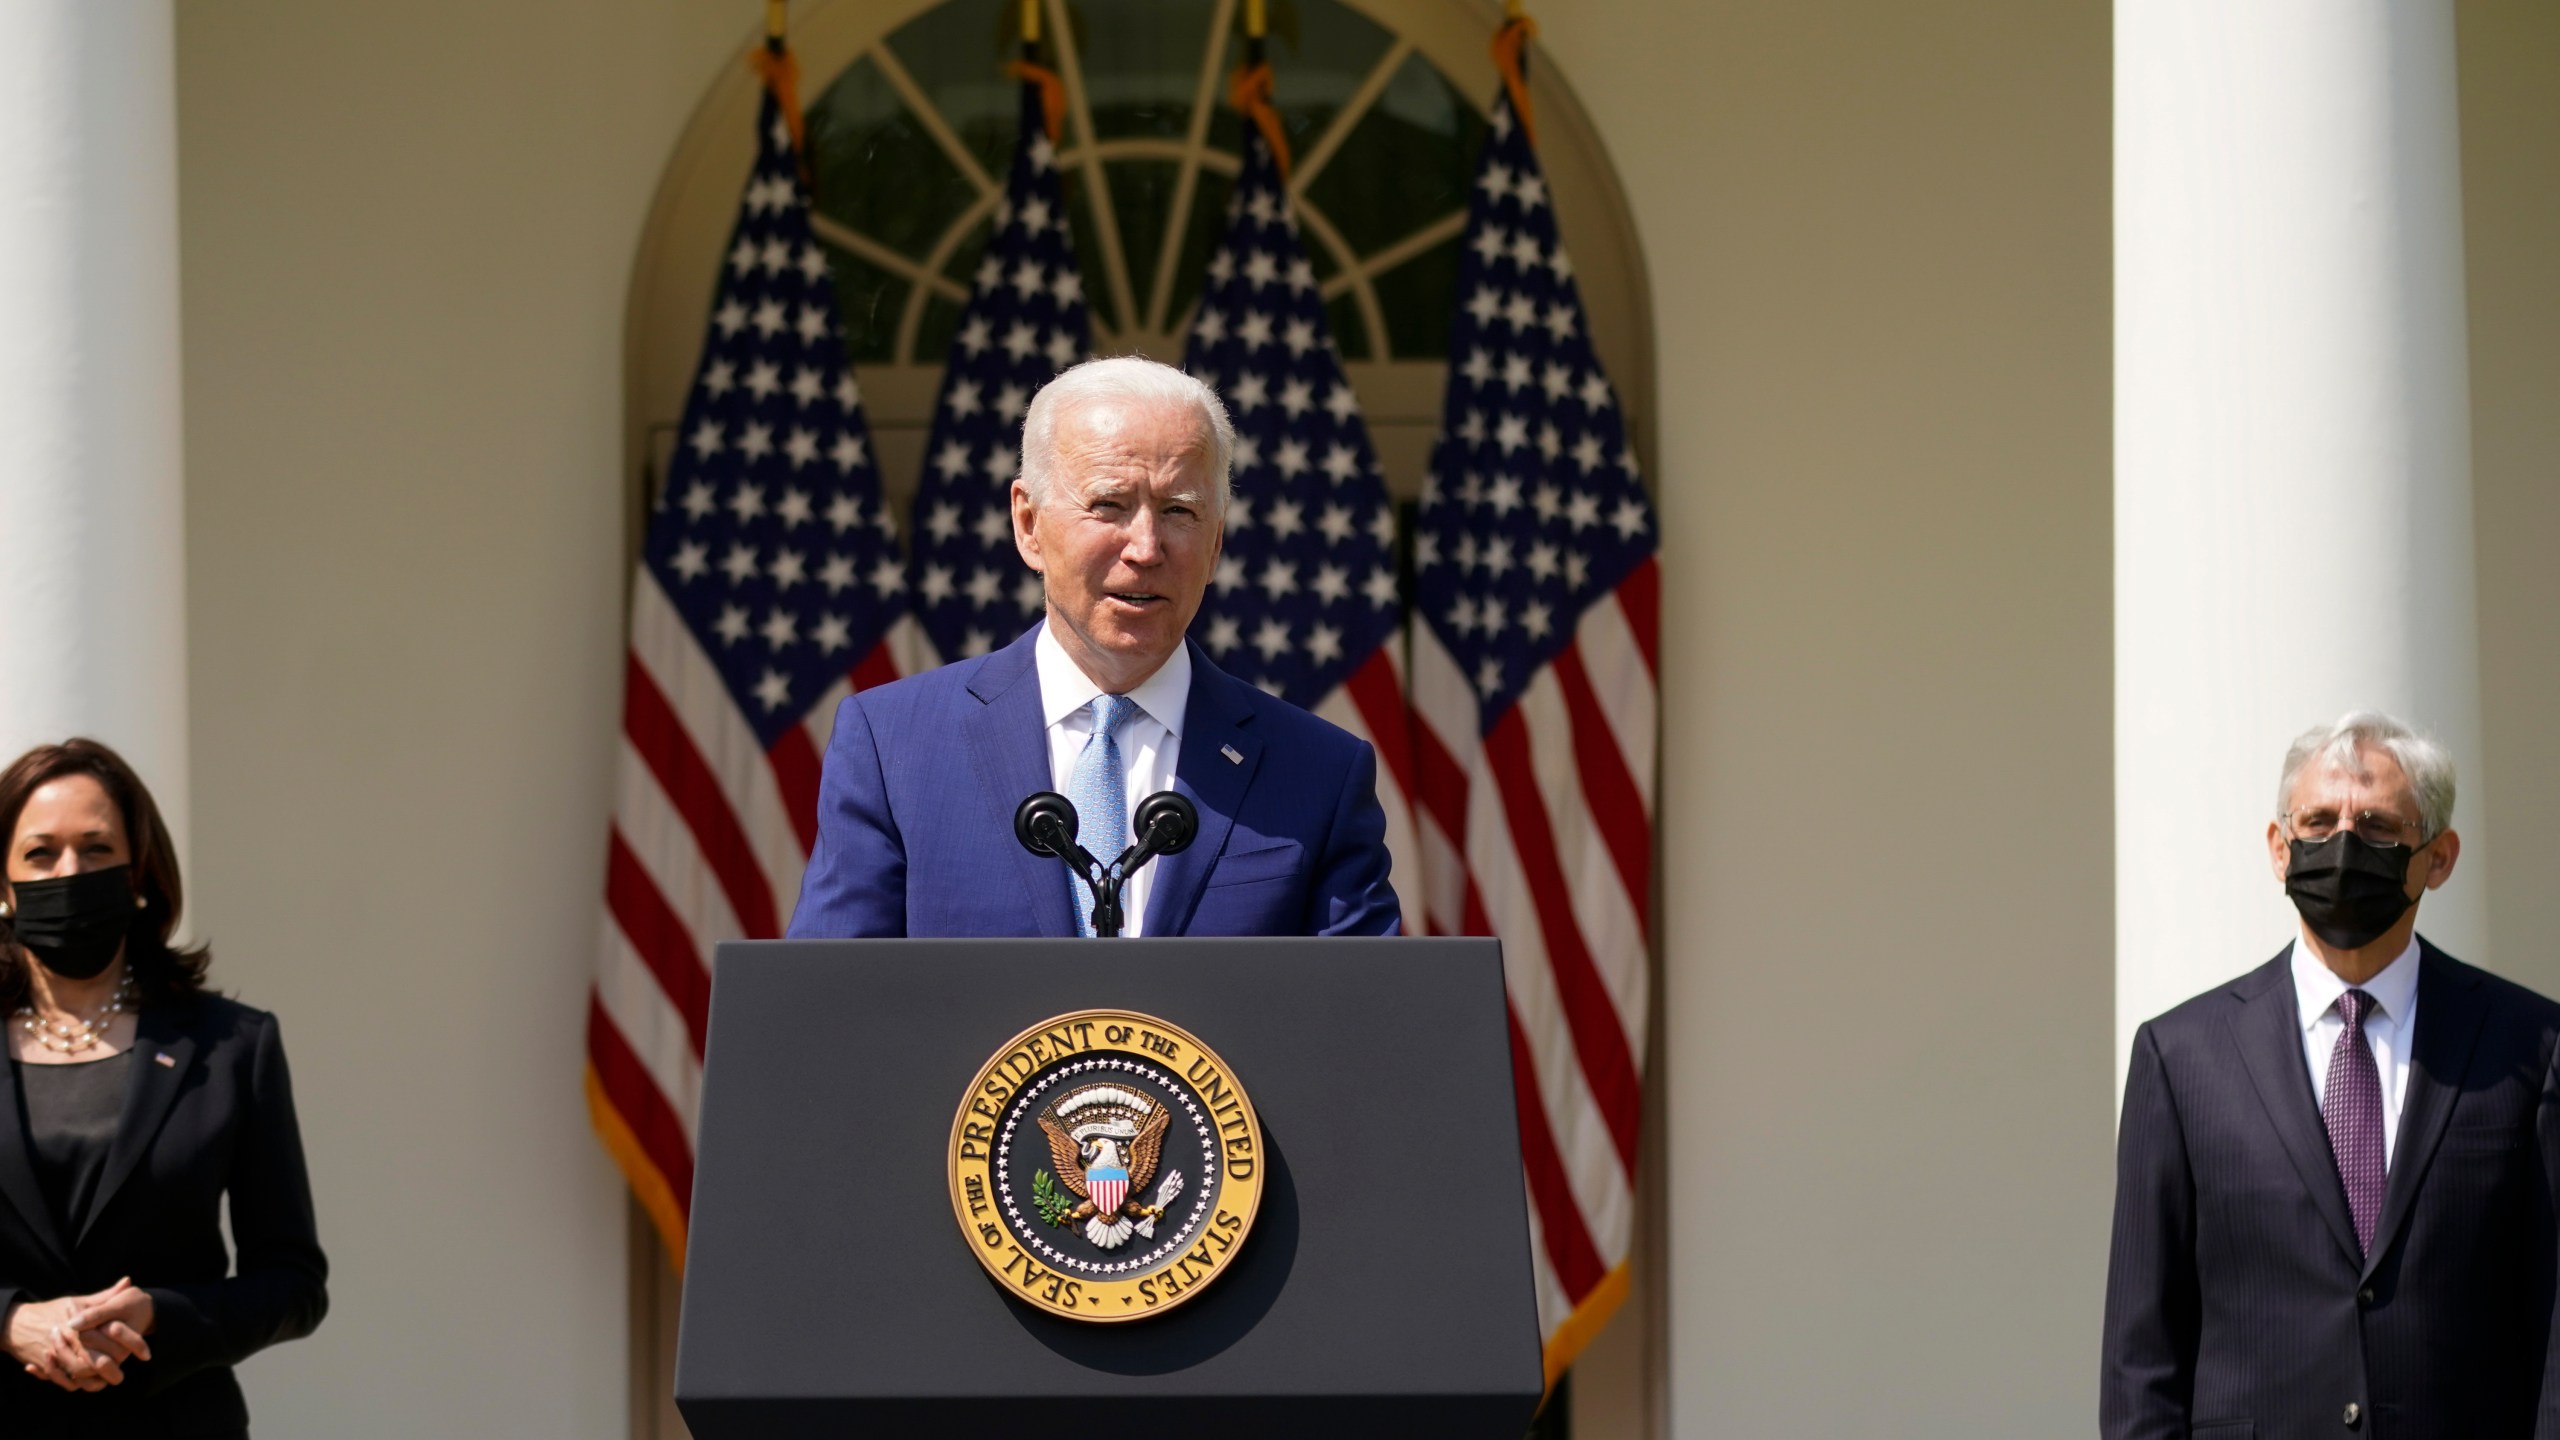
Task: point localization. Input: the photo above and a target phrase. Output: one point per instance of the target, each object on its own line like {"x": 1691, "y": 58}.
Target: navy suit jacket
{"x": 915, "y": 815}
{"x": 2237, "y": 1305}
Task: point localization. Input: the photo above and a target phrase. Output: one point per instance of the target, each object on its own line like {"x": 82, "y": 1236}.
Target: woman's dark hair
{"x": 159, "y": 972}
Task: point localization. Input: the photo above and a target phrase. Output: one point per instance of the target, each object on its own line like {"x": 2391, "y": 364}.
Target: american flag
{"x": 1304, "y": 603}
{"x": 766, "y": 590}
{"x": 1534, "y": 709}
{"x": 1025, "y": 322}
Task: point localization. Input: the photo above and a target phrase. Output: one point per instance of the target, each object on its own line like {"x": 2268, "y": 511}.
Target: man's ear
{"x": 1026, "y": 534}
{"x": 2279, "y": 854}
{"x": 2442, "y": 853}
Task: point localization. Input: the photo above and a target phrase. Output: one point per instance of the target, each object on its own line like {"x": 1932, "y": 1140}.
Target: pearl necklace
{"x": 64, "y": 1039}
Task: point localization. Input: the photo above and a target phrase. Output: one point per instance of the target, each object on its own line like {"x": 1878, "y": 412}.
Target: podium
{"x": 1383, "y": 1287}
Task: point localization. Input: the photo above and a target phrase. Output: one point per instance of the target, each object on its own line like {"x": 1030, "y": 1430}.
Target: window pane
{"x": 1098, "y": 295}
{"x": 934, "y": 329}
{"x": 1416, "y": 297}
{"x": 1142, "y": 198}
{"x": 877, "y": 169}
{"x": 1409, "y": 161}
{"x": 957, "y": 54}
{"x": 871, "y": 299}
{"x": 1200, "y": 236}
{"x": 1350, "y": 332}
{"x": 1141, "y": 61}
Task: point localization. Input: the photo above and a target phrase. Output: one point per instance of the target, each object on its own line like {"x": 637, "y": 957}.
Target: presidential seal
{"x": 1105, "y": 1165}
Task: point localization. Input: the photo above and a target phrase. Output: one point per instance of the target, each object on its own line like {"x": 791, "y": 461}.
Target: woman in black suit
{"x": 134, "y": 1100}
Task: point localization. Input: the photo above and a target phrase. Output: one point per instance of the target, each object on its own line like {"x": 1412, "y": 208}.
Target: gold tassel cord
{"x": 1510, "y": 56}
{"x": 1053, "y": 94}
{"x": 780, "y": 72}
{"x": 1249, "y": 91}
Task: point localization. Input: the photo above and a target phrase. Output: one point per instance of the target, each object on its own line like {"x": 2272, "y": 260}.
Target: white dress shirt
{"x": 1150, "y": 742}
{"x": 2389, "y": 1028}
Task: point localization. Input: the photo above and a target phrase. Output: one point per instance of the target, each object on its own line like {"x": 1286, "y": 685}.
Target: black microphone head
{"x": 1045, "y": 823}
{"x": 1167, "y": 822}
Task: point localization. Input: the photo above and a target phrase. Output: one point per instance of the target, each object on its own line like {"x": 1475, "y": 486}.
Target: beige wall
{"x": 407, "y": 234}
{"x": 1878, "y": 237}
{"x": 2509, "y": 55}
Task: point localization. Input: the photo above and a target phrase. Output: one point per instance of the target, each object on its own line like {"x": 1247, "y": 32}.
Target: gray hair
{"x": 1132, "y": 380}
{"x": 2427, "y": 764}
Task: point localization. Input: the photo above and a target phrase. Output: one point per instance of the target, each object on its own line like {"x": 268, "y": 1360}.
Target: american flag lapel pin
{"x": 164, "y": 1059}
{"x": 1233, "y": 756}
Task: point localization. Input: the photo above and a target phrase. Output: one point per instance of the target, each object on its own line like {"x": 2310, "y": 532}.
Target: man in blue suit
{"x": 1120, "y": 508}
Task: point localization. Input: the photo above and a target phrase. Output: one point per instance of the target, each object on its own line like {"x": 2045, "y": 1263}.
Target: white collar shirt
{"x": 1150, "y": 743}
{"x": 2389, "y": 1029}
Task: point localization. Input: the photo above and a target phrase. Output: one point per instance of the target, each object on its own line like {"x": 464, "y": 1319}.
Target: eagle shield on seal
{"x": 1105, "y": 1140}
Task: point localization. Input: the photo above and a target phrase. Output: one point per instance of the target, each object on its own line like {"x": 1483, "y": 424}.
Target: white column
{"x": 2293, "y": 470}
{"x": 92, "y": 519}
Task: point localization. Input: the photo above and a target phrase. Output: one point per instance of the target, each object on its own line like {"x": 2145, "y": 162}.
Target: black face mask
{"x": 2349, "y": 890}
{"x": 76, "y": 924}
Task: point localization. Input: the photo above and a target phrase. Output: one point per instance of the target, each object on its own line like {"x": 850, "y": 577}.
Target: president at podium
{"x": 1120, "y": 507}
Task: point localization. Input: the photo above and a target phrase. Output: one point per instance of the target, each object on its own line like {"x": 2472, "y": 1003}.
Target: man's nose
{"x": 1143, "y": 545}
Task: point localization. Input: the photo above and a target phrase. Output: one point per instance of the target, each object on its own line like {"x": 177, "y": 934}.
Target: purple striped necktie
{"x": 2351, "y": 1107}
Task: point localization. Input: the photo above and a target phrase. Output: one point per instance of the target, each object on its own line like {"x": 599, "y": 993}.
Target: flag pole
{"x": 1028, "y": 69}
{"x": 1511, "y": 59}
{"x": 1249, "y": 89}
{"x": 781, "y": 74}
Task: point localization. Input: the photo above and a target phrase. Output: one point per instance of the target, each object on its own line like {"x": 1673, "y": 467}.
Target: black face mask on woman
{"x": 76, "y": 924}
{"x": 2348, "y": 889}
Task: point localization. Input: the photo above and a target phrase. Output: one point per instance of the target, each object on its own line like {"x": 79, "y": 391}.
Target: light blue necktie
{"x": 1099, "y": 789}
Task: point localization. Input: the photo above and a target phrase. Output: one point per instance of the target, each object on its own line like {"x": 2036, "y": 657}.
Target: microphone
{"x": 1166, "y": 823}
{"x": 1045, "y": 823}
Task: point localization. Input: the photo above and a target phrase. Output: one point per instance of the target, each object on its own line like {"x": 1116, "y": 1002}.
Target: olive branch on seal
{"x": 1050, "y": 1198}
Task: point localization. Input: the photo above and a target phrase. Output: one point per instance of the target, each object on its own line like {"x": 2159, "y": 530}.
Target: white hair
{"x": 1128, "y": 380}
{"x": 2427, "y": 764}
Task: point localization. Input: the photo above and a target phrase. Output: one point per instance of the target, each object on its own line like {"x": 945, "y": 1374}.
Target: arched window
{"x": 911, "y": 118}
{"x": 911, "y": 122}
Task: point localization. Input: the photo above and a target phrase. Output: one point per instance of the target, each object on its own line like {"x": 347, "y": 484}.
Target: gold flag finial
{"x": 1030, "y": 22}
{"x": 776, "y": 18}
{"x": 1257, "y": 23}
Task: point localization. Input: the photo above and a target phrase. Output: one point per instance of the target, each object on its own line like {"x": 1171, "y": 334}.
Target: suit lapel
{"x": 2268, "y": 1030}
{"x": 162, "y": 1032}
{"x": 2451, "y": 1006}
{"x": 18, "y": 1185}
{"x": 1009, "y": 750}
{"x": 1215, "y": 721}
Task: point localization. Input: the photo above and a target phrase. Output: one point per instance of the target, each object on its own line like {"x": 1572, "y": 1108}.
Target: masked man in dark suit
{"x": 2335, "y": 1176}
{"x": 1120, "y": 506}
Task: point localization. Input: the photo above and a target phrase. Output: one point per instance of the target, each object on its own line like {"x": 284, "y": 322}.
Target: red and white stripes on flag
{"x": 1534, "y": 703}
{"x": 768, "y": 589}
{"x": 1541, "y": 832}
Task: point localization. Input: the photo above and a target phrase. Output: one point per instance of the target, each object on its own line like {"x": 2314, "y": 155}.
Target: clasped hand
{"x": 80, "y": 1342}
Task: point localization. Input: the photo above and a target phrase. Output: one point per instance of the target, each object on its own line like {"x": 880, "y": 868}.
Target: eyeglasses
{"x": 2374, "y": 827}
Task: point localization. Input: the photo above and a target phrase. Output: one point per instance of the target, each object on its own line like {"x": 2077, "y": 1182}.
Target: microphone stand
{"x": 1045, "y": 823}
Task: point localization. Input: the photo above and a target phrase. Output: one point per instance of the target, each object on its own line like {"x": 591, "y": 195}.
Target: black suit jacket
{"x": 2237, "y": 1306}
{"x": 217, "y": 1117}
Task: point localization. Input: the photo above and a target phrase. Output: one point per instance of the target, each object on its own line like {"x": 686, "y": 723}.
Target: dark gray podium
{"x": 1384, "y": 1288}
